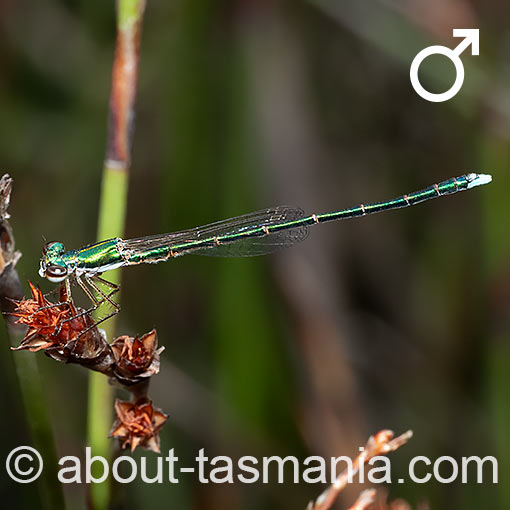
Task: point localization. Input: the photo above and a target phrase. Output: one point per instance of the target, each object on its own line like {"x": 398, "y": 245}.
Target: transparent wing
{"x": 249, "y": 246}
{"x": 254, "y": 246}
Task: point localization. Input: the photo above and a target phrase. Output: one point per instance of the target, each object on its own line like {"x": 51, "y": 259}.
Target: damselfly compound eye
{"x": 56, "y": 273}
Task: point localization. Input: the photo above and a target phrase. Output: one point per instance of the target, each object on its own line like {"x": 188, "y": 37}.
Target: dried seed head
{"x": 61, "y": 331}
{"x": 68, "y": 334}
{"x": 138, "y": 424}
{"x": 43, "y": 319}
{"x": 136, "y": 358}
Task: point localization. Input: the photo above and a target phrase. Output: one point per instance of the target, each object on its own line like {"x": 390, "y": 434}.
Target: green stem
{"x": 36, "y": 410}
{"x": 111, "y": 223}
{"x": 39, "y": 423}
{"x": 112, "y": 210}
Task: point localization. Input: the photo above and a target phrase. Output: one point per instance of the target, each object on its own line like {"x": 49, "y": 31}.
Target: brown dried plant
{"x": 68, "y": 334}
{"x": 381, "y": 443}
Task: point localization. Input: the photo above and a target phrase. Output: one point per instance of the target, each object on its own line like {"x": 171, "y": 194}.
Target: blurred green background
{"x": 398, "y": 320}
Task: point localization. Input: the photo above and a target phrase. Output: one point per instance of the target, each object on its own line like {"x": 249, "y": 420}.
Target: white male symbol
{"x": 471, "y": 38}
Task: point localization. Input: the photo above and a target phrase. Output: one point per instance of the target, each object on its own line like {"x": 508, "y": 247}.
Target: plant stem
{"x": 32, "y": 389}
{"x": 112, "y": 207}
{"x": 36, "y": 410}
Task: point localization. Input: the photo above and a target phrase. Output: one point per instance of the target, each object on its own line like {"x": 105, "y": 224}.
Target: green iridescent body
{"x": 253, "y": 234}
{"x": 257, "y": 233}
{"x": 98, "y": 255}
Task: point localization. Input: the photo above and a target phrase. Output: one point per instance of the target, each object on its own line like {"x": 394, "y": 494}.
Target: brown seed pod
{"x": 138, "y": 424}
{"x": 136, "y": 358}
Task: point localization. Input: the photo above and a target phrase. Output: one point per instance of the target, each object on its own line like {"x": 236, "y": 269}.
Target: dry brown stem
{"x": 123, "y": 93}
{"x": 380, "y": 444}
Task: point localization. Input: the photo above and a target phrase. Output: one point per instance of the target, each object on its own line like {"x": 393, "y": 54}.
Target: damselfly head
{"x": 52, "y": 264}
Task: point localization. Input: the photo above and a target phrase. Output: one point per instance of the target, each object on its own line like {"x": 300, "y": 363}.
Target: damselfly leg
{"x": 96, "y": 295}
{"x": 64, "y": 298}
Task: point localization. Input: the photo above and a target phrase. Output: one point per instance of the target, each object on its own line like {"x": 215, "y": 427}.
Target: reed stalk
{"x": 32, "y": 389}
{"x": 112, "y": 207}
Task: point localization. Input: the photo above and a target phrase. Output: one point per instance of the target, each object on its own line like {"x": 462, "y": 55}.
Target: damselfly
{"x": 256, "y": 233}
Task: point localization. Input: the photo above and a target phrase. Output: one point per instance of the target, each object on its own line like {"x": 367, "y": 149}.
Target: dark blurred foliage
{"x": 397, "y": 320}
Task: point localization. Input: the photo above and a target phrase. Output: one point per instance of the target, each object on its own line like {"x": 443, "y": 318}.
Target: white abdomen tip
{"x": 478, "y": 180}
